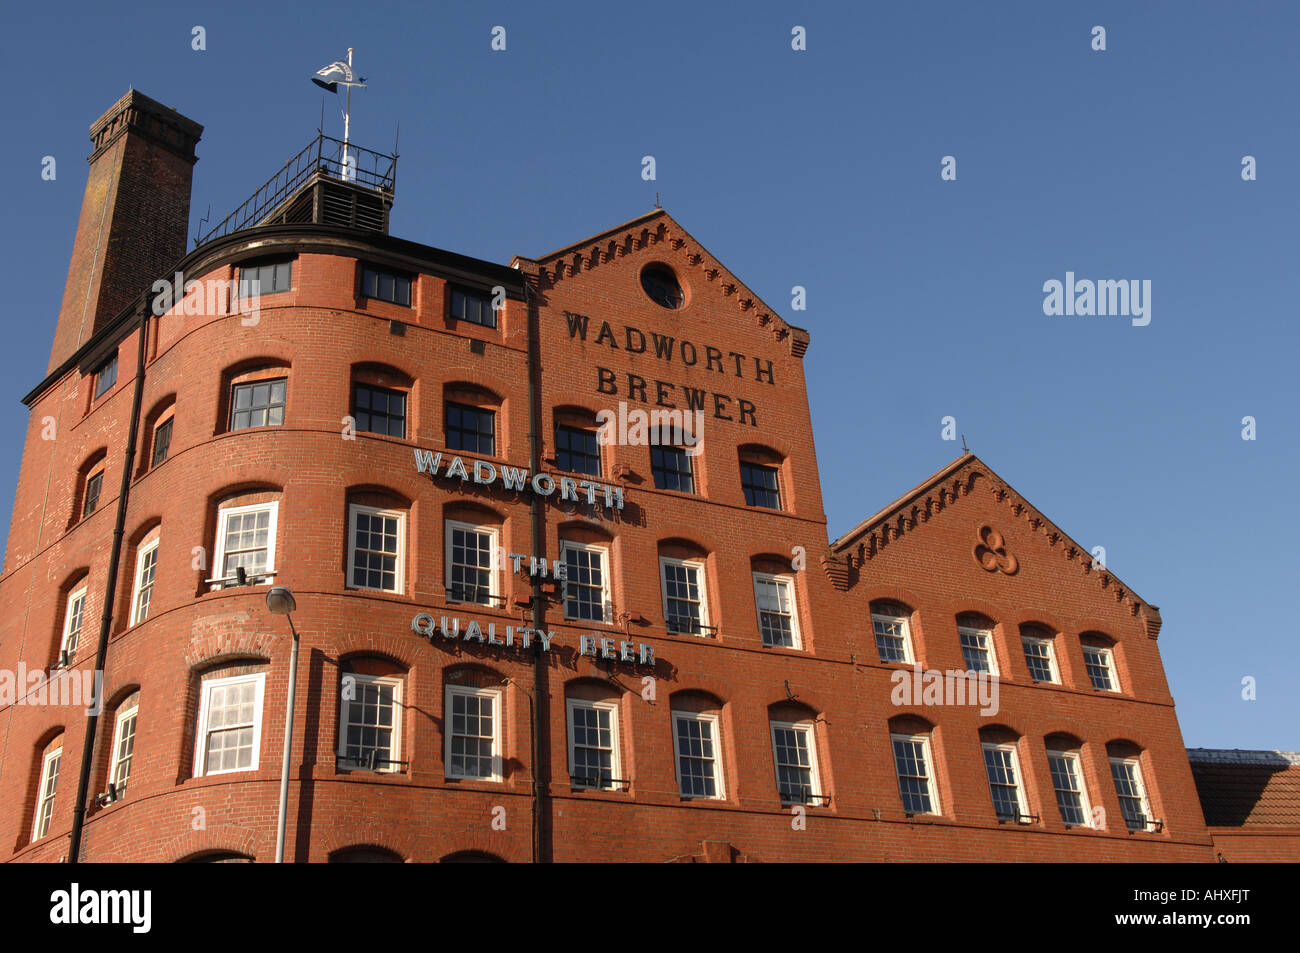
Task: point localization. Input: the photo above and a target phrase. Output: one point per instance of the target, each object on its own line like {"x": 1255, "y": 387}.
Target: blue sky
{"x": 821, "y": 168}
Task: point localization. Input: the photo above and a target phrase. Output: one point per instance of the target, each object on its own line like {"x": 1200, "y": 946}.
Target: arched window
{"x": 684, "y": 585}
{"x": 470, "y": 419}
{"x": 371, "y": 715}
{"x": 595, "y": 755}
{"x": 1130, "y": 786}
{"x": 376, "y": 541}
{"x": 776, "y": 601}
{"x": 1000, "y": 746}
{"x": 47, "y": 786}
{"x": 909, "y": 738}
{"x": 381, "y": 400}
{"x": 255, "y": 396}
{"x": 1040, "y": 653}
{"x": 891, "y": 626}
{"x": 1064, "y": 760}
{"x": 146, "y": 570}
{"x": 1099, "y": 661}
{"x": 367, "y": 854}
{"x": 975, "y": 632}
{"x": 245, "y": 536}
{"x": 794, "y": 754}
{"x": 121, "y": 752}
{"x": 697, "y": 745}
{"x": 760, "y": 476}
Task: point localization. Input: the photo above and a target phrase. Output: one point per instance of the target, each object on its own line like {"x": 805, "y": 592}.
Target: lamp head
{"x": 280, "y": 600}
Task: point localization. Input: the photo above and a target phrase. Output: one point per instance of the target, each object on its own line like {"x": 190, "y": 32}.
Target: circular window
{"x": 660, "y": 283}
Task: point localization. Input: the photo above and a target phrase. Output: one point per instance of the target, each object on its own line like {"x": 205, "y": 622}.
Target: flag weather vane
{"x": 331, "y": 78}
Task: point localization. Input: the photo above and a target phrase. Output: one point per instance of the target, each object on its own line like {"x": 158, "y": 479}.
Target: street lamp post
{"x": 280, "y": 601}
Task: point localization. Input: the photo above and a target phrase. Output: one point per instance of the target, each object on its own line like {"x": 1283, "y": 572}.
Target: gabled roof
{"x": 658, "y": 228}
{"x": 933, "y": 496}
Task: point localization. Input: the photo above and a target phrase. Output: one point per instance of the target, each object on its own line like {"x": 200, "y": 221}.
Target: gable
{"x": 970, "y": 526}
{"x": 716, "y": 349}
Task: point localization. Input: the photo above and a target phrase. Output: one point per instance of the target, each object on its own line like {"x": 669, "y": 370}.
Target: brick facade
{"x": 578, "y": 323}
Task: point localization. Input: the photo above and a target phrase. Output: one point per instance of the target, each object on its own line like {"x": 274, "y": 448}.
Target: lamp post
{"x": 280, "y": 601}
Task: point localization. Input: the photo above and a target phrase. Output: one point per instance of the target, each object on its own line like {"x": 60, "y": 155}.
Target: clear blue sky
{"x": 821, "y": 169}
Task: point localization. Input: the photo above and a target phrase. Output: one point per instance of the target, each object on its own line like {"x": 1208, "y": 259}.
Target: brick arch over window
{"x": 481, "y": 398}
{"x": 999, "y": 734}
{"x": 378, "y": 527}
{"x": 222, "y": 667}
{"x": 251, "y": 371}
{"x": 131, "y": 598}
{"x": 87, "y": 630}
{"x": 49, "y": 740}
{"x": 1062, "y": 741}
{"x": 230, "y": 496}
{"x": 365, "y": 410}
{"x": 364, "y": 854}
{"x": 471, "y": 857}
{"x": 764, "y": 456}
{"x": 83, "y": 491}
{"x": 124, "y": 698}
{"x": 162, "y": 410}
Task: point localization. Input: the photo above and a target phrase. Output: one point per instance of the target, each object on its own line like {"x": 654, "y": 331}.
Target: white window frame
{"x": 400, "y": 572}
{"x": 223, "y": 518}
{"x": 78, "y": 593}
{"x": 785, "y": 581}
{"x": 41, "y": 822}
{"x": 606, "y": 600}
{"x": 1072, "y": 758}
{"x": 201, "y": 735}
{"x": 615, "y": 761}
{"x": 699, "y": 566}
{"x": 494, "y": 570}
{"x": 1140, "y": 783}
{"x": 715, "y": 735}
{"x": 991, "y": 647}
{"x": 115, "y": 758}
{"x": 1108, "y": 653}
{"x": 136, "y": 587}
{"x": 908, "y": 657}
{"x": 1021, "y": 810}
{"x": 345, "y": 713}
{"x": 809, "y": 731}
{"x": 498, "y": 712}
{"x": 931, "y": 782}
{"x": 1052, "y": 667}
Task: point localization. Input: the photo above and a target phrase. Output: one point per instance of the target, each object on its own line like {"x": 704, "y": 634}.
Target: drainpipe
{"x": 541, "y": 733}
{"x": 110, "y": 588}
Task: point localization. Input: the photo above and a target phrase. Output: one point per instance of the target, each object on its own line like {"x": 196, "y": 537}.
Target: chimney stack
{"x": 134, "y": 217}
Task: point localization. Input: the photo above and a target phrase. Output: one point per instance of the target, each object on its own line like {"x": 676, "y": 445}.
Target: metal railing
{"x": 365, "y": 168}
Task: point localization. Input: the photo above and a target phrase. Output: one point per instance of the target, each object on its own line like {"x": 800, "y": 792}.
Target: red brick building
{"x": 411, "y": 441}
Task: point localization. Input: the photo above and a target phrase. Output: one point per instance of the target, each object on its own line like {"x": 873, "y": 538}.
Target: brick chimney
{"x": 134, "y": 216}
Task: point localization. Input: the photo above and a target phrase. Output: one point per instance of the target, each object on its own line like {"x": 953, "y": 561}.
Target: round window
{"x": 660, "y": 283}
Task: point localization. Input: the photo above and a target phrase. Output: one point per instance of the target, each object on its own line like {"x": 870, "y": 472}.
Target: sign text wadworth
{"x": 517, "y": 479}
{"x": 665, "y": 348}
